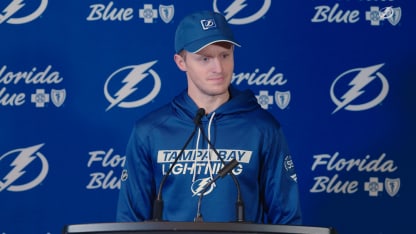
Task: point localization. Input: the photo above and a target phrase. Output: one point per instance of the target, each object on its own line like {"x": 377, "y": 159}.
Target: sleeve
{"x": 279, "y": 183}
{"x": 137, "y": 186}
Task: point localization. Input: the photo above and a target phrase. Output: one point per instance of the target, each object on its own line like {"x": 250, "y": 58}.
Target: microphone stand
{"x": 221, "y": 174}
{"x": 239, "y": 203}
{"x": 158, "y": 202}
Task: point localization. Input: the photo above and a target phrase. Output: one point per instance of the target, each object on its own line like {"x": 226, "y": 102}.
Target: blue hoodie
{"x": 239, "y": 129}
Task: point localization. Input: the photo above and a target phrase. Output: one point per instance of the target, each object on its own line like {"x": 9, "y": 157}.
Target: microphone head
{"x": 201, "y": 111}
{"x": 199, "y": 114}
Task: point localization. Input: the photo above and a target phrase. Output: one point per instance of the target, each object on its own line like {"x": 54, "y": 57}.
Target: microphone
{"x": 239, "y": 203}
{"x": 158, "y": 202}
{"x": 221, "y": 174}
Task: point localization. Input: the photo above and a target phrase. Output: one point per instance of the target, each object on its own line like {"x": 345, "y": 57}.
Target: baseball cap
{"x": 200, "y": 29}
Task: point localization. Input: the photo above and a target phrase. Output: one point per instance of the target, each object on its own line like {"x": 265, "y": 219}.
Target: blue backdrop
{"x": 339, "y": 75}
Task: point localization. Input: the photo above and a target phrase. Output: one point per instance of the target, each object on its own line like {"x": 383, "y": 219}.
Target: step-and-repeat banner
{"x": 339, "y": 75}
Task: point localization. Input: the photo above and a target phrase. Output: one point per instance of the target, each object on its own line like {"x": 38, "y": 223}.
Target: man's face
{"x": 209, "y": 72}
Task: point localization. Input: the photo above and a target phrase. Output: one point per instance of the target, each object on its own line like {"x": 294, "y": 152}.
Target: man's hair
{"x": 223, "y": 44}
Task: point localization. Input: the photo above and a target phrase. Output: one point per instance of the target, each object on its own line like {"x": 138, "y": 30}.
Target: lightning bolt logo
{"x": 364, "y": 77}
{"x": 12, "y": 8}
{"x": 23, "y": 159}
{"x": 234, "y": 8}
{"x": 237, "y": 6}
{"x": 200, "y": 185}
{"x": 134, "y": 77}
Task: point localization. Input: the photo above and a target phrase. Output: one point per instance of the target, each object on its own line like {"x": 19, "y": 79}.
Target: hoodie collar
{"x": 240, "y": 101}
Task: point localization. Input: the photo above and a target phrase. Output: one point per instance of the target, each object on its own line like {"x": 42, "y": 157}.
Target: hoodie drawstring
{"x": 208, "y": 151}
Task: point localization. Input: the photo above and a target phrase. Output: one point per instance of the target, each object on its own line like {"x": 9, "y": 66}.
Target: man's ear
{"x": 180, "y": 62}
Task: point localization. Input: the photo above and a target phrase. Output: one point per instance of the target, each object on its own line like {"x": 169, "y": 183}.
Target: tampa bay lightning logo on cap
{"x": 200, "y": 29}
{"x": 208, "y": 24}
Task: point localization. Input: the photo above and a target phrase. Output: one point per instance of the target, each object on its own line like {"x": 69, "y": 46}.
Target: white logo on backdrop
{"x": 33, "y": 77}
{"x": 344, "y": 183}
{"x": 269, "y": 78}
{"x": 106, "y": 176}
{"x": 23, "y": 158}
{"x": 375, "y": 15}
{"x": 58, "y": 96}
{"x": 392, "y": 186}
{"x": 166, "y": 13}
{"x": 264, "y": 99}
{"x": 114, "y": 12}
{"x": 8, "y": 13}
{"x": 282, "y": 99}
{"x": 147, "y": 13}
{"x": 373, "y": 187}
{"x": 260, "y": 78}
{"x": 136, "y": 74}
{"x": 40, "y": 98}
{"x": 333, "y": 14}
{"x": 238, "y": 5}
{"x": 337, "y": 14}
{"x": 363, "y": 78}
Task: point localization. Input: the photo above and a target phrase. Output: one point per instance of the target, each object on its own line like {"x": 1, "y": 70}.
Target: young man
{"x": 233, "y": 126}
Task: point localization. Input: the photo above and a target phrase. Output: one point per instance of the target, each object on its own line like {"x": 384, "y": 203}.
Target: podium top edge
{"x": 201, "y": 227}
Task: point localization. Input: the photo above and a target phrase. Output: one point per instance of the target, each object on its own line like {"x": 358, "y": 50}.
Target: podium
{"x": 191, "y": 227}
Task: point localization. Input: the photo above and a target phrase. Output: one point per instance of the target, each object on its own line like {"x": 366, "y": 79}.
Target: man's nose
{"x": 217, "y": 65}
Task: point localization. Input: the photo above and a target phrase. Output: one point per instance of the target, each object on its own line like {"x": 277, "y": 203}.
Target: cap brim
{"x": 197, "y": 46}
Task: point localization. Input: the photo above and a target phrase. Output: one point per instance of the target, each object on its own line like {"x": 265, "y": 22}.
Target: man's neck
{"x": 211, "y": 103}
